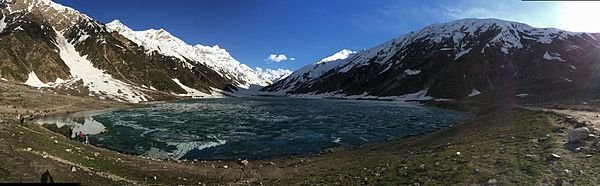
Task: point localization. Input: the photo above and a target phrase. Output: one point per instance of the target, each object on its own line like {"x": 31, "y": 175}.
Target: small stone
{"x": 55, "y": 141}
{"x": 553, "y": 157}
{"x": 458, "y": 153}
{"x": 271, "y": 163}
{"x": 588, "y": 155}
{"x": 244, "y": 162}
{"x": 73, "y": 169}
{"x": 96, "y": 154}
{"x": 28, "y": 149}
{"x": 225, "y": 166}
{"x": 154, "y": 177}
{"x": 68, "y": 150}
{"x": 492, "y": 181}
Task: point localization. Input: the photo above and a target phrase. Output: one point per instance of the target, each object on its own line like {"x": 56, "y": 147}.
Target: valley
{"x": 468, "y": 101}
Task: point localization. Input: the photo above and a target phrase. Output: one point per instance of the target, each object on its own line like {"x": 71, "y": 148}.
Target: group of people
{"x": 30, "y": 115}
{"x": 79, "y": 136}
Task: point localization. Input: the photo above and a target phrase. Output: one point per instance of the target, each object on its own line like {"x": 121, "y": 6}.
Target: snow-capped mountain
{"x": 214, "y": 57}
{"x": 456, "y": 59}
{"x": 45, "y": 44}
{"x": 312, "y": 71}
{"x": 271, "y": 75}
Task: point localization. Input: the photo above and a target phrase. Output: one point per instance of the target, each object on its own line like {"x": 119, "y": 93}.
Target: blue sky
{"x": 308, "y": 30}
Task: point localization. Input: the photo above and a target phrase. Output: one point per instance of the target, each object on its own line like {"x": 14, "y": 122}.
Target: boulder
{"x": 578, "y": 134}
{"x": 244, "y": 162}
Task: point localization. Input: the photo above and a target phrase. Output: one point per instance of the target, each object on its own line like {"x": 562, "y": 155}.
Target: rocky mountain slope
{"x": 47, "y": 45}
{"x": 458, "y": 59}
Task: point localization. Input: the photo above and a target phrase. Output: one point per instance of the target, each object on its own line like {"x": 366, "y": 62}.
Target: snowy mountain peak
{"x": 342, "y": 54}
{"x": 61, "y": 16}
{"x": 214, "y": 57}
{"x": 118, "y": 26}
{"x": 407, "y": 58}
{"x": 272, "y": 75}
{"x": 508, "y": 34}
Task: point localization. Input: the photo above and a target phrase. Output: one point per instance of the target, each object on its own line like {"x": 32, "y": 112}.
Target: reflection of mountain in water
{"x": 81, "y": 122}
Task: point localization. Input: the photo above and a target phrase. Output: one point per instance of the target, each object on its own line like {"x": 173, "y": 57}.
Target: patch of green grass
{"x": 496, "y": 145}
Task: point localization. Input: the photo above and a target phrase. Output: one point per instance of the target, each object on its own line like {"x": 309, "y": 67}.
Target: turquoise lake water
{"x": 255, "y": 128}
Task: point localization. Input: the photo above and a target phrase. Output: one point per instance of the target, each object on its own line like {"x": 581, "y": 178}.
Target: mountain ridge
{"x": 42, "y": 42}
{"x": 451, "y": 60}
{"x": 213, "y": 56}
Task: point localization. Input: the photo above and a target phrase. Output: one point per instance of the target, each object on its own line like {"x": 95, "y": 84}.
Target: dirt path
{"x": 590, "y": 118}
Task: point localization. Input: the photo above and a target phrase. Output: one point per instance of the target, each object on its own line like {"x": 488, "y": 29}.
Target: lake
{"x": 254, "y": 128}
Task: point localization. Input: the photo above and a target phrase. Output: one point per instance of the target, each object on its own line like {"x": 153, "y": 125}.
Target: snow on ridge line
{"x": 342, "y": 54}
{"x": 98, "y": 82}
{"x": 213, "y": 57}
{"x": 319, "y": 68}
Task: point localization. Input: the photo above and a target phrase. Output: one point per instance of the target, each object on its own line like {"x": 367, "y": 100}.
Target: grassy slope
{"x": 494, "y": 146}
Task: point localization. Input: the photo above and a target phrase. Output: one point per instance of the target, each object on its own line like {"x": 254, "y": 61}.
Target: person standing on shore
{"x": 73, "y": 133}
{"x": 21, "y": 119}
{"x": 87, "y": 141}
{"x": 80, "y": 136}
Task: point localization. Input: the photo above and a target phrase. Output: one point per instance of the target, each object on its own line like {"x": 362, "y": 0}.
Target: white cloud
{"x": 292, "y": 59}
{"x": 278, "y": 58}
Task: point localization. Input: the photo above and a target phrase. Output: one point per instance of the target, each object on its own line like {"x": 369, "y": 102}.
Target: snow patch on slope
{"x": 193, "y": 92}
{"x": 2, "y": 23}
{"x": 412, "y": 72}
{"x": 34, "y": 81}
{"x": 461, "y": 53}
{"x": 552, "y": 56}
{"x": 98, "y": 82}
{"x": 474, "y": 92}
